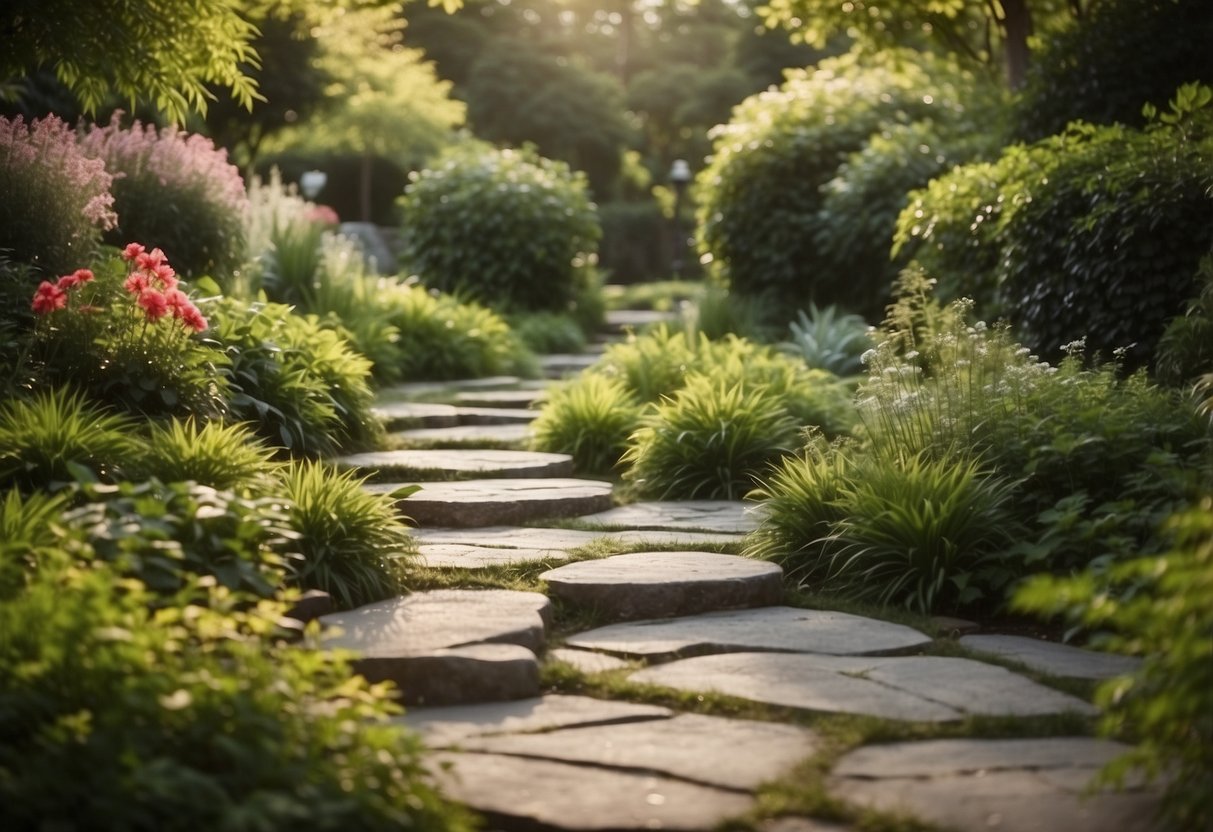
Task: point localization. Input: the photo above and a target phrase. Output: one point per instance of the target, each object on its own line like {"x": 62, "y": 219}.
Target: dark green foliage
{"x": 1159, "y": 608}
{"x": 548, "y": 332}
{"x": 636, "y": 241}
{"x": 709, "y": 441}
{"x": 352, "y": 542}
{"x": 1186, "y": 348}
{"x": 766, "y": 198}
{"x": 590, "y": 419}
{"x": 500, "y": 227}
{"x": 1123, "y": 54}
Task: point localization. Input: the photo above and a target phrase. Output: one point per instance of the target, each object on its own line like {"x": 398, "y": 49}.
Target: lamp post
{"x": 312, "y": 182}
{"x": 680, "y": 177}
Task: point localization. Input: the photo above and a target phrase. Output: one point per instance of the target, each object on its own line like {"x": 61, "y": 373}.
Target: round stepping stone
{"x": 424, "y": 464}
{"x": 517, "y": 793}
{"x": 657, "y": 584}
{"x": 464, "y": 435}
{"x": 439, "y": 619}
{"x": 475, "y": 673}
{"x": 587, "y": 662}
{"x": 915, "y": 688}
{"x": 707, "y": 515}
{"x": 495, "y": 416}
{"x": 501, "y": 398}
{"x": 492, "y": 502}
{"x": 463, "y": 556}
{"x": 1017, "y": 785}
{"x": 768, "y": 628}
{"x": 402, "y": 415}
{"x": 1052, "y": 658}
{"x": 559, "y": 541}
{"x": 729, "y": 753}
{"x": 449, "y": 725}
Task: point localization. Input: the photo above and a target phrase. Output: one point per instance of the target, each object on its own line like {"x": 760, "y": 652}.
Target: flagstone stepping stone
{"x": 656, "y": 584}
{"x": 494, "y": 502}
{"x": 917, "y": 688}
{"x": 444, "y": 727}
{"x": 559, "y": 541}
{"x": 780, "y": 629}
{"x": 516, "y": 792}
{"x": 518, "y": 399}
{"x": 1053, "y": 658}
{"x": 586, "y": 661}
{"x": 708, "y": 515}
{"x": 621, "y": 319}
{"x": 417, "y": 389}
{"x": 1016, "y": 785}
{"x": 495, "y": 415}
{"x": 439, "y": 619}
{"x": 473, "y": 673}
{"x": 403, "y": 415}
{"x": 464, "y": 435}
{"x": 788, "y": 824}
{"x": 463, "y": 556}
{"x": 460, "y": 461}
{"x": 729, "y": 753}
{"x": 559, "y": 365}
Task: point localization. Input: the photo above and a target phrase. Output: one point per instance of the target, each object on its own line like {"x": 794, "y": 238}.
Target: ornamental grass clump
{"x": 590, "y": 419}
{"x": 57, "y": 201}
{"x": 225, "y": 457}
{"x": 175, "y": 191}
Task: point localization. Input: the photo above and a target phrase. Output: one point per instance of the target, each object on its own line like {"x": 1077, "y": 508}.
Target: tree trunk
{"x": 1016, "y": 30}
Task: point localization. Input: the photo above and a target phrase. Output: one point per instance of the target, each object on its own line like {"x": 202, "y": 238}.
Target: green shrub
{"x": 720, "y": 311}
{"x": 501, "y": 227}
{"x": 123, "y": 710}
{"x": 826, "y": 339}
{"x": 56, "y": 436}
{"x": 635, "y": 242}
{"x": 56, "y": 200}
{"x": 659, "y": 295}
{"x": 548, "y": 332}
{"x": 224, "y": 457}
{"x": 763, "y": 213}
{"x": 1185, "y": 350}
{"x": 351, "y": 542}
{"x": 650, "y": 365}
{"x": 300, "y": 385}
{"x": 28, "y": 536}
{"x": 175, "y": 191}
{"x": 1080, "y": 73}
{"x": 590, "y": 419}
{"x": 709, "y": 441}
{"x": 1159, "y": 608}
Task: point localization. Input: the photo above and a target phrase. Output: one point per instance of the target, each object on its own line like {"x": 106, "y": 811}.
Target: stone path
{"x": 669, "y": 609}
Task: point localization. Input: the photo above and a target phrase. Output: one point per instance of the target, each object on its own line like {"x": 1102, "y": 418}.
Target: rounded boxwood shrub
{"x": 174, "y": 191}
{"x": 504, "y": 227}
{"x": 772, "y": 200}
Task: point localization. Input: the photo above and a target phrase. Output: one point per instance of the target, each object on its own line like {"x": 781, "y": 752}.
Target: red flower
{"x": 76, "y": 277}
{"x": 164, "y": 272}
{"x": 48, "y": 297}
{"x": 192, "y": 318}
{"x": 137, "y": 283}
{"x": 132, "y": 251}
{"x": 153, "y": 303}
{"x": 149, "y": 260}
{"x": 177, "y": 302}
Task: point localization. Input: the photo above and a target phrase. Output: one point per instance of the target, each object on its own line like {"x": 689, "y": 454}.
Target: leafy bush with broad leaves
{"x": 1096, "y": 232}
{"x": 1159, "y": 608}
{"x": 507, "y": 228}
{"x": 1081, "y": 72}
{"x": 590, "y": 419}
{"x": 778, "y": 201}
{"x": 57, "y": 200}
{"x": 1185, "y": 351}
{"x": 300, "y": 385}
{"x": 127, "y": 709}
{"x": 175, "y": 191}
{"x": 709, "y": 440}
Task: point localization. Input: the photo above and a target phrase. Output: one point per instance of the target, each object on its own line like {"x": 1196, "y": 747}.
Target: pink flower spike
{"x": 137, "y": 283}
{"x": 47, "y": 298}
{"x": 132, "y": 251}
{"x": 153, "y": 303}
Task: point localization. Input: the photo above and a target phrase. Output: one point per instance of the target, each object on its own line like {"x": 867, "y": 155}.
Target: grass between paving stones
{"x": 395, "y": 442}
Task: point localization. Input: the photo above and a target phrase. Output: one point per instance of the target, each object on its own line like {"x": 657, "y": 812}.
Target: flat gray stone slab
{"x": 498, "y": 501}
{"x": 655, "y": 584}
{"x": 1018, "y": 785}
{"x": 464, "y": 435}
{"x": 440, "y": 619}
{"x": 462, "y": 556}
{"x": 728, "y": 753}
{"x": 561, "y": 540}
{"x": 586, "y": 661}
{"x": 789, "y": 824}
{"x": 1053, "y": 658}
{"x": 417, "y": 389}
{"x": 727, "y": 516}
{"x": 456, "y": 461}
{"x": 915, "y": 688}
{"x": 474, "y": 673}
{"x": 495, "y": 415}
{"x": 620, "y": 319}
{"x": 404, "y": 415}
{"x": 444, "y": 727}
{"x": 500, "y": 398}
{"x": 515, "y": 792}
{"x": 561, "y": 365}
{"x": 780, "y": 629}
